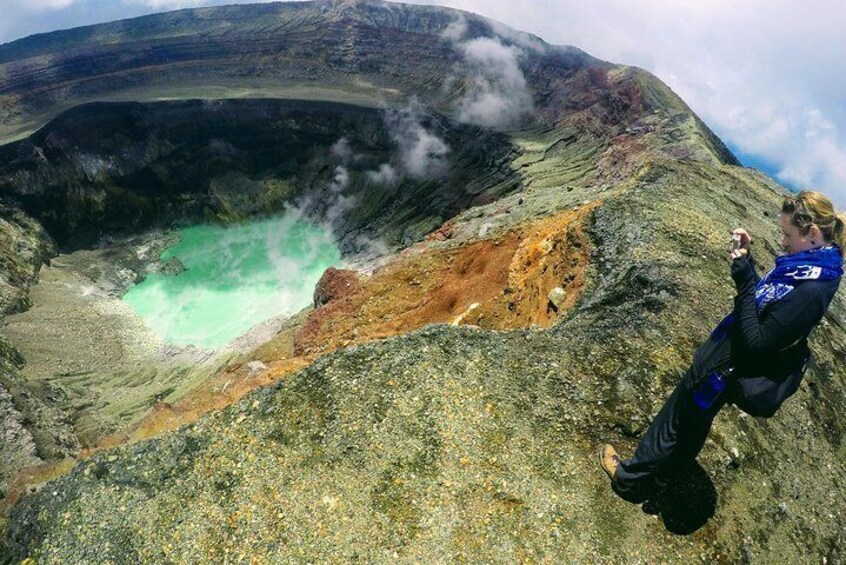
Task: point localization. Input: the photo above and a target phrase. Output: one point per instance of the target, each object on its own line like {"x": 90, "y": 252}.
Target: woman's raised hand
{"x": 743, "y": 240}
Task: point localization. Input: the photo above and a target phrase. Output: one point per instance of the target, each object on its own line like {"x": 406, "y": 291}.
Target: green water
{"x": 235, "y": 278}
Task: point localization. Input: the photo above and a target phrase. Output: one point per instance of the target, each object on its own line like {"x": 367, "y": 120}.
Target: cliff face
{"x": 378, "y": 431}
{"x": 328, "y": 47}
{"x": 24, "y": 246}
{"x": 119, "y": 168}
{"x": 225, "y": 159}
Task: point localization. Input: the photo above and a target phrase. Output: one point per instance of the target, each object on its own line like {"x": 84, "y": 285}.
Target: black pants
{"x": 672, "y": 442}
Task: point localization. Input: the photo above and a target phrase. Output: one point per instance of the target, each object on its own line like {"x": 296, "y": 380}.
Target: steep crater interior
{"x": 116, "y": 185}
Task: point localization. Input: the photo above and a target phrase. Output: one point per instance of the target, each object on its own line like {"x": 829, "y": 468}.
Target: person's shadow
{"x": 686, "y": 503}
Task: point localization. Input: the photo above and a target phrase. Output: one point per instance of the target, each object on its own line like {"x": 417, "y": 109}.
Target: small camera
{"x": 735, "y": 242}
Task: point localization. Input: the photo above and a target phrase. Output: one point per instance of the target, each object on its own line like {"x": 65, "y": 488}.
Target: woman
{"x": 756, "y": 356}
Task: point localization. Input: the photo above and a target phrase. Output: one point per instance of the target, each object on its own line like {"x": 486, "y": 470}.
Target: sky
{"x": 768, "y": 76}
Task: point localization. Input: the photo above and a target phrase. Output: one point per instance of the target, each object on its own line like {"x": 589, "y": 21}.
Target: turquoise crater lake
{"x": 235, "y": 277}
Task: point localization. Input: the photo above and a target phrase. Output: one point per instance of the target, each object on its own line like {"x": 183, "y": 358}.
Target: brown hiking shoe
{"x": 609, "y": 460}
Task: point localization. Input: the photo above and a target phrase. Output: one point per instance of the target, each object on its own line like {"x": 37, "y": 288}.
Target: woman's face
{"x": 792, "y": 240}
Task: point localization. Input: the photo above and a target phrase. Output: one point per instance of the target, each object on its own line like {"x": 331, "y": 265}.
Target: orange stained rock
{"x": 32, "y": 479}
{"x": 509, "y": 277}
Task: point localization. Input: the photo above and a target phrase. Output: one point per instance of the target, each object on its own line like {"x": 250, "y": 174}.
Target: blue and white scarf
{"x": 823, "y": 264}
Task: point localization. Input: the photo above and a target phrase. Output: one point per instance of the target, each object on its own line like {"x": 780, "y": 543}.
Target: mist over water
{"x": 235, "y": 277}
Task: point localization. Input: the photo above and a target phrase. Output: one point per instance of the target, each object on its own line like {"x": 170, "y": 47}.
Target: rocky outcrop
{"x": 92, "y": 365}
{"x": 18, "y": 448}
{"x": 334, "y": 50}
{"x": 223, "y": 159}
{"x": 334, "y": 284}
{"x": 306, "y": 50}
{"x": 24, "y": 247}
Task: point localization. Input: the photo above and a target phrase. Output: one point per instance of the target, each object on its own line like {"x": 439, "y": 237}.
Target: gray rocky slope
{"x": 470, "y": 445}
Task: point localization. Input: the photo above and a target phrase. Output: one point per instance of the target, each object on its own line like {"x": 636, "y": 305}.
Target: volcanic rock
{"x": 334, "y": 284}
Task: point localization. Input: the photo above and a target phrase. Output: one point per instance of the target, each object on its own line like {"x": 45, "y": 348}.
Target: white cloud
{"x": 823, "y": 163}
{"x": 37, "y": 5}
{"x": 168, "y": 4}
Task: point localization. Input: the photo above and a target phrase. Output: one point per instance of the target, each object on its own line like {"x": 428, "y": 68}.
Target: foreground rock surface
{"x": 429, "y": 448}
{"x": 454, "y": 444}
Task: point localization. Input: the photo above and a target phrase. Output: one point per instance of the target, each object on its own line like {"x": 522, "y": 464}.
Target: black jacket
{"x": 769, "y": 350}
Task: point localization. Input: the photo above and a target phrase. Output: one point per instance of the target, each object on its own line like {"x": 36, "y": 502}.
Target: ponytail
{"x": 838, "y": 234}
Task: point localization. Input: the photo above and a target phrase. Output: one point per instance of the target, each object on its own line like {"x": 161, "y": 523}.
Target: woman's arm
{"x": 787, "y": 320}
{"x": 743, "y": 242}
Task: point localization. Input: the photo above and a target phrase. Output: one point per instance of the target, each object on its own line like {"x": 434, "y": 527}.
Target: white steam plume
{"x": 386, "y": 175}
{"x": 456, "y": 30}
{"x": 420, "y": 152}
{"x": 342, "y": 151}
{"x": 332, "y": 206}
{"x": 337, "y": 205}
{"x": 498, "y": 96}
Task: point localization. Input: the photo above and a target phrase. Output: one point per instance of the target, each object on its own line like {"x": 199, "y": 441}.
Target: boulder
{"x": 556, "y": 297}
{"x": 333, "y": 284}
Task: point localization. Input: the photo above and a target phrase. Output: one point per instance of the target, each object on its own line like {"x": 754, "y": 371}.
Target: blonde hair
{"x": 809, "y": 208}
